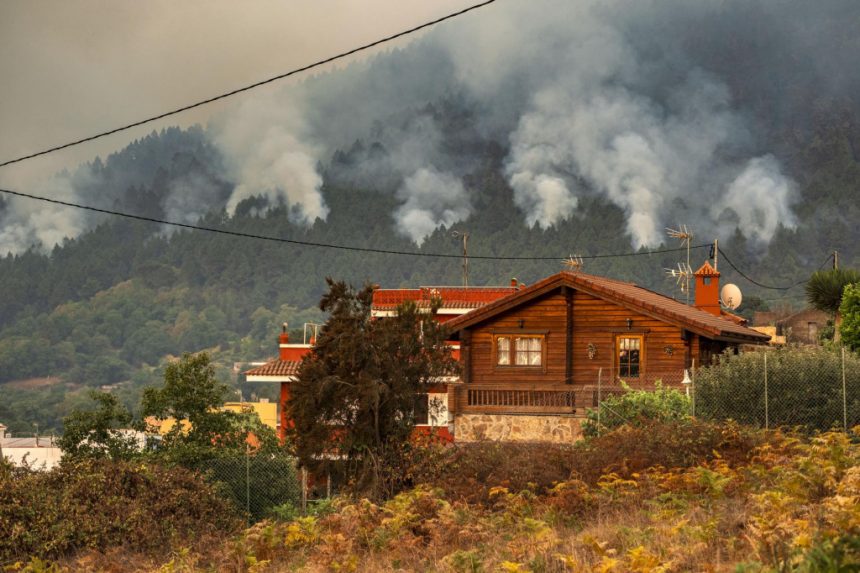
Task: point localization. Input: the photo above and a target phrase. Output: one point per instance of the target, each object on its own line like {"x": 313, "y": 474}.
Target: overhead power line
{"x": 323, "y": 245}
{"x": 251, "y": 86}
{"x": 769, "y": 287}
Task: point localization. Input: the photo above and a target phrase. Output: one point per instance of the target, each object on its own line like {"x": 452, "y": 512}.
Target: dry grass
{"x": 785, "y": 505}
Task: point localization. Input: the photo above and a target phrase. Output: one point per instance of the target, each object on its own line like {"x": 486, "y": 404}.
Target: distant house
{"x": 431, "y": 408}
{"x": 533, "y": 358}
{"x": 39, "y": 452}
{"x": 798, "y": 327}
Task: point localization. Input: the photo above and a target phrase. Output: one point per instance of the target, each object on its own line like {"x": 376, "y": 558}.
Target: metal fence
{"x": 265, "y": 485}
{"x": 810, "y": 389}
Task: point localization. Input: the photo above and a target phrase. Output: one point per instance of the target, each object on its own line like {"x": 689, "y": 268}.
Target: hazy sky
{"x": 71, "y": 69}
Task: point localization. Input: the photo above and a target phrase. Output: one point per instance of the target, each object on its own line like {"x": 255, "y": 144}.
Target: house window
{"x": 519, "y": 350}
{"x": 629, "y": 356}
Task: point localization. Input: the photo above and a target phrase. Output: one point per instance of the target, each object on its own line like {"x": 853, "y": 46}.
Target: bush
{"x": 804, "y": 389}
{"x": 256, "y": 484}
{"x": 679, "y": 444}
{"x": 100, "y": 503}
{"x": 470, "y": 471}
{"x": 635, "y": 408}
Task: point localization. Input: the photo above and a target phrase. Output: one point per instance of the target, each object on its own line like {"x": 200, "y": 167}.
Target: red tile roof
{"x": 625, "y": 294}
{"x": 452, "y": 297}
{"x": 706, "y": 270}
{"x": 276, "y": 367}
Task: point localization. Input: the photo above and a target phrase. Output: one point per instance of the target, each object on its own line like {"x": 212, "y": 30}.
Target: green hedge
{"x": 804, "y": 389}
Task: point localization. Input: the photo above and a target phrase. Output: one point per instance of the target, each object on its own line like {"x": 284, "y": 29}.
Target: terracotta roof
{"x": 276, "y": 367}
{"x": 707, "y": 270}
{"x": 422, "y": 303}
{"x": 623, "y": 293}
{"x": 452, "y": 297}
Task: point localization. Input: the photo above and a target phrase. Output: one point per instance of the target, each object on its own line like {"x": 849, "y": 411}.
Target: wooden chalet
{"x": 533, "y": 358}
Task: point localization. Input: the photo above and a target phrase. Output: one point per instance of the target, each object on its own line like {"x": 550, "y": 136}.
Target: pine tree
{"x": 355, "y": 395}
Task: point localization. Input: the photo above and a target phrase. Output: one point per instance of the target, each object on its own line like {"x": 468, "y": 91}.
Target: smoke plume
{"x": 672, "y": 111}
{"x": 430, "y": 199}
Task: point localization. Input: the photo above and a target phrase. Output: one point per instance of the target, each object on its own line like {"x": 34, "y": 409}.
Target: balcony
{"x": 555, "y": 399}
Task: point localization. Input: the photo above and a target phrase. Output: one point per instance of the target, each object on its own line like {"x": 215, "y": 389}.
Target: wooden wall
{"x": 599, "y": 322}
{"x": 546, "y": 314}
{"x": 594, "y": 321}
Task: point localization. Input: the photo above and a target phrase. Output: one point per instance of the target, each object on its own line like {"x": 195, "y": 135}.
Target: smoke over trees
{"x": 670, "y": 111}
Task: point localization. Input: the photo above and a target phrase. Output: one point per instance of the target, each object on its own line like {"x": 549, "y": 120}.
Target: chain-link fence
{"x": 809, "y": 389}
{"x": 263, "y": 485}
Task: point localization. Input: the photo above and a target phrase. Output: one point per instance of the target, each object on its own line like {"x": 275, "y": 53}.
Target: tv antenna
{"x": 573, "y": 262}
{"x": 465, "y": 235}
{"x": 684, "y": 272}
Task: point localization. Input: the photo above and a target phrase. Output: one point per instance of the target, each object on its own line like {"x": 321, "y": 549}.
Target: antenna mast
{"x": 684, "y": 272}
{"x": 465, "y": 236}
{"x": 573, "y": 262}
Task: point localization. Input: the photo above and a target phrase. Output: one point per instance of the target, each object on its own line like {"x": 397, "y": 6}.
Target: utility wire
{"x": 325, "y": 245}
{"x": 252, "y": 86}
{"x": 770, "y": 287}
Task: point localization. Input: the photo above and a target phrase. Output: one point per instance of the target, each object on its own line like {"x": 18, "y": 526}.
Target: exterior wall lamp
{"x": 629, "y": 323}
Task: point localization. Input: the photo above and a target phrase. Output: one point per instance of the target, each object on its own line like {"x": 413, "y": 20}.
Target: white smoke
{"x": 27, "y": 223}
{"x": 431, "y": 199}
{"x": 640, "y": 155}
{"x": 268, "y": 153}
{"x": 638, "y": 103}
{"x": 757, "y": 201}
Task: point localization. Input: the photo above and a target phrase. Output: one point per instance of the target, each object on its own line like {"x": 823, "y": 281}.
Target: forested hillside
{"x": 651, "y": 118}
{"x": 107, "y": 307}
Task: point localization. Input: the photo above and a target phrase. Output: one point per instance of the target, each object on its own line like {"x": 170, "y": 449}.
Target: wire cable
{"x": 325, "y": 245}
{"x": 251, "y": 86}
{"x": 769, "y": 287}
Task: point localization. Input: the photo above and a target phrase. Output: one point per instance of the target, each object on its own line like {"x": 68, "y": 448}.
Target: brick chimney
{"x": 707, "y": 289}
{"x": 292, "y": 352}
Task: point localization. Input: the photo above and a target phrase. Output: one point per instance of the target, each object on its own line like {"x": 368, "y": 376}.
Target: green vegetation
{"x": 804, "y": 388}
{"x": 363, "y": 379}
{"x": 634, "y": 408}
{"x": 850, "y": 313}
{"x": 98, "y": 432}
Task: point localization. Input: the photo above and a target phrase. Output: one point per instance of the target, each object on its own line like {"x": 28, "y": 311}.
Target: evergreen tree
{"x": 356, "y": 392}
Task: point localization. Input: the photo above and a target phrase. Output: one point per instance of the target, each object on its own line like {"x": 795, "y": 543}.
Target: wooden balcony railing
{"x": 526, "y": 398}
{"x": 516, "y": 398}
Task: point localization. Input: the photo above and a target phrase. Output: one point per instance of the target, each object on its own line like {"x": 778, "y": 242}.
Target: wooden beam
{"x": 568, "y": 341}
{"x": 466, "y": 354}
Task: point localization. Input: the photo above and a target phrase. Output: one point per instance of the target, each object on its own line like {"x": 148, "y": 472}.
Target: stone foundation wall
{"x": 516, "y": 428}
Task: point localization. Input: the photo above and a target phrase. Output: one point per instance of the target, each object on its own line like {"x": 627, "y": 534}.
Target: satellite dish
{"x": 730, "y": 296}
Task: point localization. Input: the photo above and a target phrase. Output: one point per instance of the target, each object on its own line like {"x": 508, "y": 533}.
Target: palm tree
{"x": 824, "y": 291}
